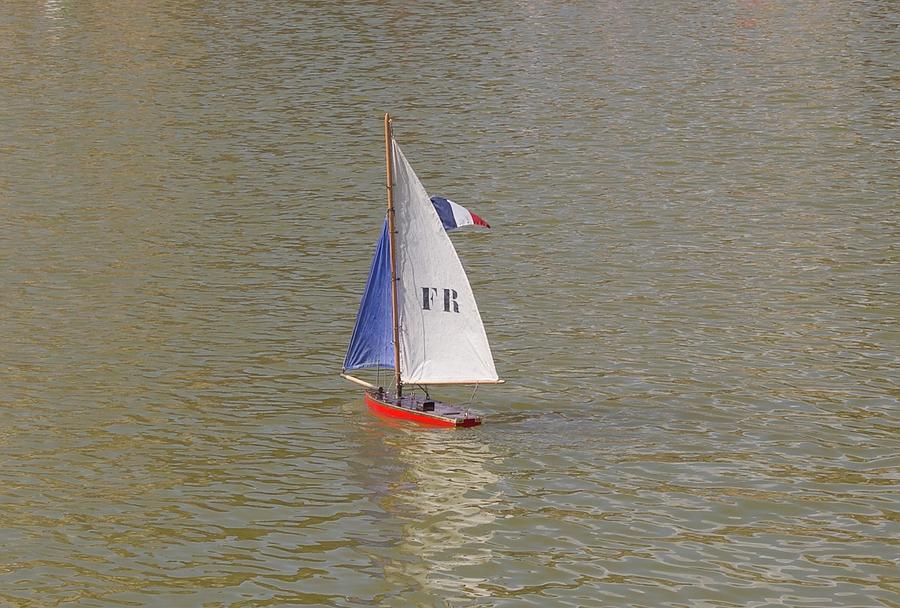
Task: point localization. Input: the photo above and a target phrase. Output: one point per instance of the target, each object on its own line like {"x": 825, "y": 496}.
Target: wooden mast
{"x": 389, "y": 162}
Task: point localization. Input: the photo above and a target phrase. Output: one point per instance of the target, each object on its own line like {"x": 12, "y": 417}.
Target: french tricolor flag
{"x": 454, "y": 215}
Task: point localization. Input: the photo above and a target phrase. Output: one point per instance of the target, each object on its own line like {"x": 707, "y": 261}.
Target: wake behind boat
{"x": 418, "y": 315}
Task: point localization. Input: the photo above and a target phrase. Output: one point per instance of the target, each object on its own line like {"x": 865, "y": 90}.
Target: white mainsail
{"x": 442, "y": 339}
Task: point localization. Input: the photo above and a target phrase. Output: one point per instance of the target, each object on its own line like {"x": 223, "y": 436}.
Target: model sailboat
{"x": 418, "y": 315}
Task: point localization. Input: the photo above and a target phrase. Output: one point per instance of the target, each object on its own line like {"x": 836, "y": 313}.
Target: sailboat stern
{"x": 420, "y": 409}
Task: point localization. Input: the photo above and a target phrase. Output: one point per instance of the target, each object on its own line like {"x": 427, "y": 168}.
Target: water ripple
{"x": 689, "y": 288}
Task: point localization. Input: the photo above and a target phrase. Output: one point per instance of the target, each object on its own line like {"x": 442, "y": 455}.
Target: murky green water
{"x": 691, "y": 289}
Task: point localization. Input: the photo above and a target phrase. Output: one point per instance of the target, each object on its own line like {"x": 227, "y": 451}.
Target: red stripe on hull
{"x": 393, "y": 411}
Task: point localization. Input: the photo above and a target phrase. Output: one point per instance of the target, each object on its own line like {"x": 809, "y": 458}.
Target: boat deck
{"x": 419, "y": 408}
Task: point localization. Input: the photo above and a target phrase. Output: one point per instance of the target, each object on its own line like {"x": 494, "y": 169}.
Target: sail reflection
{"x": 446, "y": 497}
{"x": 53, "y": 8}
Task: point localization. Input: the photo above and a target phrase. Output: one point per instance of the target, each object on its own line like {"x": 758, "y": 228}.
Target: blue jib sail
{"x": 372, "y": 343}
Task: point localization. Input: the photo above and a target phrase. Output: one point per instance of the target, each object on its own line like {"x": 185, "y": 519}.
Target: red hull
{"x": 412, "y": 408}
